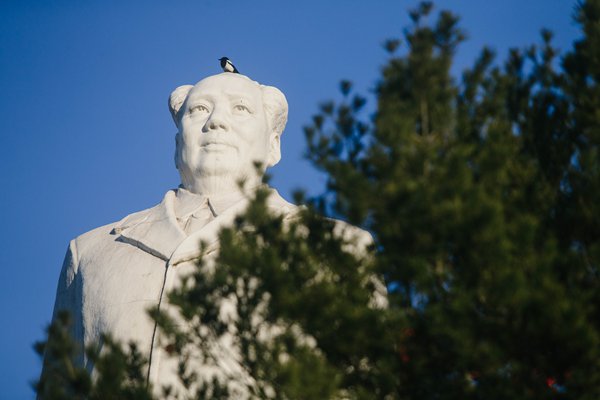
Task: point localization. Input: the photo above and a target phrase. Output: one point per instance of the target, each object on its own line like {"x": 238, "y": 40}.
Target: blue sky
{"x": 85, "y": 133}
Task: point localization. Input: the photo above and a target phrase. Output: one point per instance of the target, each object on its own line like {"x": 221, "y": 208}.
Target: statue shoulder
{"x": 360, "y": 237}
{"x": 114, "y": 228}
{"x": 348, "y": 232}
{"x": 278, "y": 204}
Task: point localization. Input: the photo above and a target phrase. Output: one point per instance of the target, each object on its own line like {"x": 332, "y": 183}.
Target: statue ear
{"x": 176, "y": 100}
{"x": 274, "y": 149}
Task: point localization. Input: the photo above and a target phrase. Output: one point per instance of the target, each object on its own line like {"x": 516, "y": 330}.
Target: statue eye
{"x": 240, "y": 108}
{"x": 199, "y": 109}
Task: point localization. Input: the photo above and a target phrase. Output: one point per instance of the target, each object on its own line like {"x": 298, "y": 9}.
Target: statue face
{"x": 223, "y": 130}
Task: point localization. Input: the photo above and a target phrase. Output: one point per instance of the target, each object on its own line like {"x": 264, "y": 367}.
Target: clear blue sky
{"x": 86, "y": 137}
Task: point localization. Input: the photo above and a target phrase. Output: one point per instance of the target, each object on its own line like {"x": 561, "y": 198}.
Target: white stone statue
{"x": 113, "y": 274}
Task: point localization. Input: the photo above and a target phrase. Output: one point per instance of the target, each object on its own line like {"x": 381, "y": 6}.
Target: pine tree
{"x": 476, "y": 192}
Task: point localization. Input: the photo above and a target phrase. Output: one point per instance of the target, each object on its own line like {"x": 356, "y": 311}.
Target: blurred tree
{"x": 119, "y": 371}
{"x": 483, "y": 200}
{"x": 482, "y": 197}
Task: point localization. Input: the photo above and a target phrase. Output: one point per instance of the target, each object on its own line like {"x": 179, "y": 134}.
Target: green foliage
{"x": 483, "y": 199}
{"x": 61, "y": 379}
{"x": 299, "y": 301}
{"x": 120, "y": 373}
{"x": 482, "y": 196}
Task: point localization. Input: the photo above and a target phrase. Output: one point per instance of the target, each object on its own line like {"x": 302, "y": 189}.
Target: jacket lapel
{"x": 190, "y": 248}
{"x": 155, "y": 231}
{"x": 209, "y": 235}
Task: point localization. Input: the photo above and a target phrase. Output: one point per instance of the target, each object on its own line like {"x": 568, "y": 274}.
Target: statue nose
{"x": 216, "y": 122}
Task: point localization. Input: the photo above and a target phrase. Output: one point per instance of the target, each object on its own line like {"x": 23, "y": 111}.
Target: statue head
{"x": 227, "y": 125}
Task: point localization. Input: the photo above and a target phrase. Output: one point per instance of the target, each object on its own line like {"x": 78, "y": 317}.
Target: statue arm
{"x": 68, "y": 298}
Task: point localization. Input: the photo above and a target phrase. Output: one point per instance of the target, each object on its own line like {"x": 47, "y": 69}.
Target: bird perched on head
{"x": 228, "y": 66}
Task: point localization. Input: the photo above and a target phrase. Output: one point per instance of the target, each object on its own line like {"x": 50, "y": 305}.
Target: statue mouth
{"x": 216, "y": 145}
{"x": 214, "y": 142}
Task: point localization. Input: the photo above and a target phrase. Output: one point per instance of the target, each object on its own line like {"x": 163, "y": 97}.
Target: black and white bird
{"x": 228, "y": 66}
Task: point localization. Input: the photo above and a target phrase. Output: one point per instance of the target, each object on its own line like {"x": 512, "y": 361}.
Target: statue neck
{"x": 218, "y": 186}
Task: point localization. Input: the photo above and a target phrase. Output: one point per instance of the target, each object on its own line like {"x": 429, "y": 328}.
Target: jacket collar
{"x": 186, "y": 202}
{"x": 157, "y": 231}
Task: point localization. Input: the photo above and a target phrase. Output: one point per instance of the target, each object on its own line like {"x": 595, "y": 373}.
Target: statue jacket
{"x": 113, "y": 274}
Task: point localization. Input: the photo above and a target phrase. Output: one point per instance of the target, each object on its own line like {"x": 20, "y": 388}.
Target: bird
{"x": 228, "y": 66}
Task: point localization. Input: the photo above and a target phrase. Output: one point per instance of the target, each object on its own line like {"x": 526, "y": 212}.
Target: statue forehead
{"x": 227, "y": 82}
